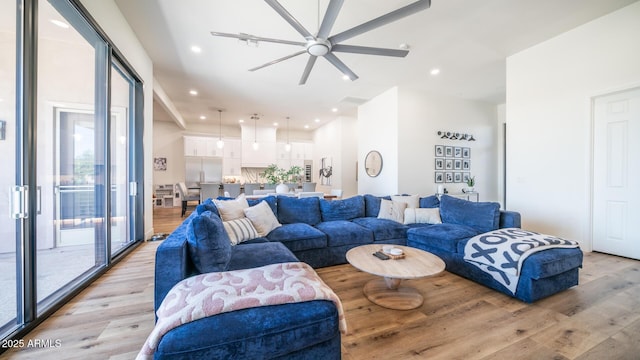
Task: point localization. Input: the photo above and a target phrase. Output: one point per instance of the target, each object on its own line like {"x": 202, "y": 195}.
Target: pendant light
{"x": 256, "y": 146}
{"x": 287, "y": 147}
{"x": 220, "y": 143}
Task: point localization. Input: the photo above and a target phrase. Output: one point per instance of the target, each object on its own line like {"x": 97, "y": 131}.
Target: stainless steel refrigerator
{"x": 202, "y": 170}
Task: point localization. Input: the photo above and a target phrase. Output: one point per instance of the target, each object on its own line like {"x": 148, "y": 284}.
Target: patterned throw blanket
{"x": 214, "y": 293}
{"x": 500, "y": 253}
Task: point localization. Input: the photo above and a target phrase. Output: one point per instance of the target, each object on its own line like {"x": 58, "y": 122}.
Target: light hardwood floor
{"x": 599, "y": 319}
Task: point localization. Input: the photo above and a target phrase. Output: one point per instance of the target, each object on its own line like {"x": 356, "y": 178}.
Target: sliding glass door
{"x": 71, "y": 127}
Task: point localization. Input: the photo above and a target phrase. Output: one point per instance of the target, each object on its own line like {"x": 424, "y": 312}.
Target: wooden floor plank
{"x": 460, "y": 319}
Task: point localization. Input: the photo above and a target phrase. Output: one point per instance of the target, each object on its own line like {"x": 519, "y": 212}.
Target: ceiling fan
{"x": 324, "y": 45}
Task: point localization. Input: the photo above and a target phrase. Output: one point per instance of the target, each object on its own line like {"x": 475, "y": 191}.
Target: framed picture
{"x": 439, "y": 164}
{"x": 160, "y": 164}
{"x": 466, "y": 164}
{"x": 457, "y": 177}
{"x": 448, "y": 164}
{"x": 457, "y": 164}
{"x": 457, "y": 152}
{"x": 465, "y": 177}
{"x": 439, "y": 177}
{"x": 448, "y": 151}
{"x": 440, "y": 150}
{"x": 466, "y": 152}
{"x": 448, "y": 177}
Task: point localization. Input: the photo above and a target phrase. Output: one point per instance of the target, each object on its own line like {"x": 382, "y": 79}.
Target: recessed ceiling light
{"x": 59, "y": 23}
{"x": 202, "y": 117}
{"x": 193, "y": 92}
{"x": 275, "y": 124}
{"x": 345, "y": 77}
{"x": 334, "y": 109}
{"x": 306, "y": 126}
{"x": 317, "y": 120}
{"x": 435, "y": 71}
{"x": 196, "y": 49}
{"x": 241, "y": 121}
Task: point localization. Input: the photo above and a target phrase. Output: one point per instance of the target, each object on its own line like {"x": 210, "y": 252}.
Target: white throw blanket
{"x": 214, "y": 293}
{"x": 500, "y": 253}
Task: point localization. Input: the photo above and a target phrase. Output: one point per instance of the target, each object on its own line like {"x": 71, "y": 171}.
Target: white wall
{"x": 403, "y": 124}
{"x": 549, "y": 91}
{"x": 111, "y": 20}
{"x": 335, "y": 141}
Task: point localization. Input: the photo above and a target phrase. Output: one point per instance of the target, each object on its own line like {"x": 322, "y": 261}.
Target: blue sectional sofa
{"x": 320, "y": 232}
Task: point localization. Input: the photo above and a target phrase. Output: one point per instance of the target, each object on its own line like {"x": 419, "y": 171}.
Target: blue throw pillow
{"x": 209, "y": 244}
{"x": 346, "y": 209}
{"x": 482, "y": 216}
{"x": 372, "y": 205}
{"x": 207, "y": 205}
{"x": 429, "y": 202}
{"x": 292, "y": 210}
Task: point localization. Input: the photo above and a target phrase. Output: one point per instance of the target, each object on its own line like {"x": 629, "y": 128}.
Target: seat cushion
{"x": 342, "y": 232}
{"x": 292, "y": 210}
{"x": 442, "y": 236}
{"x": 209, "y": 244}
{"x": 251, "y": 255}
{"x": 299, "y": 237}
{"x": 482, "y": 216}
{"x": 346, "y": 209}
{"x": 275, "y": 331}
{"x": 383, "y": 229}
{"x": 372, "y": 204}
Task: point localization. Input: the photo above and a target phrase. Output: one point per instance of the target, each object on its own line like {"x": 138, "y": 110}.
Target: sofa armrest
{"x": 173, "y": 262}
{"x": 509, "y": 219}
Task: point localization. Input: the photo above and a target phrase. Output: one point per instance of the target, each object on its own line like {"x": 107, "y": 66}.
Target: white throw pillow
{"x": 231, "y": 209}
{"x": 422, "y": 216}
{"x": 262, "y": 218}
{"x": 412, "y": 201}
{"x": 240, "y": 230}
{"x": 392, "y": 210}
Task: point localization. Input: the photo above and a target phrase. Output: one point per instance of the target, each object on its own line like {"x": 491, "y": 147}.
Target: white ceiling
{"x": 467, "y": 39}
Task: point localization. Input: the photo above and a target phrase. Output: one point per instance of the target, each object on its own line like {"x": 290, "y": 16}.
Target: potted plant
{"x": 471, "y": 181}
{"x": 275, "y": 175}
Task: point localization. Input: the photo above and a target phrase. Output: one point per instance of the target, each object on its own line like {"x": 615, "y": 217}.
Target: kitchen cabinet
{"x": 201, "y": 146}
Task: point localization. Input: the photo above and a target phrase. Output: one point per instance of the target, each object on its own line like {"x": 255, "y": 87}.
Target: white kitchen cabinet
{"x": 232, "y": 166}
{"x": 201, "y": 146}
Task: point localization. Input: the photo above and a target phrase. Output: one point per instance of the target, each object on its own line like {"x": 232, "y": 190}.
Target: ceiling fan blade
{"x": 289, "y": 18}
{"x": 249, "y": 37}
{"x": 369, "y": 50}
{"x": 341, "y": 66}
{"x": 278, "y": 60}
{"x": 330, "y": 17}
{"x": 307, "y": 69}
{"x": 381, "y": 20}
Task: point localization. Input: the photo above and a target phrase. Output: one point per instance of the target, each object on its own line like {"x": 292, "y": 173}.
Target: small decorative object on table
{"x": 470, "y": 183}
{"x": 393, "y": 252}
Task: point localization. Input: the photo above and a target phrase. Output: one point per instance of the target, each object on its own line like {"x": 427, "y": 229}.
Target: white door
{"x": 616, "y": 189}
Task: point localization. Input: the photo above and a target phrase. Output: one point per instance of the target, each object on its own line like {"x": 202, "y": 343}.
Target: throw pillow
{"x": 232, "y": 209}
{"x": 412, "y": 201}
{"x": 209, "y": 244}
{"x": 240, "y": 230}
{"x": 392, "y": 210}
{"x": 262, "y": 218}
{"x": 422, "y": 216}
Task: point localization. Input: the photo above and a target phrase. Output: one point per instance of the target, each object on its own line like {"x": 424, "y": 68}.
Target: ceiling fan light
{"x": 318, "y": 49}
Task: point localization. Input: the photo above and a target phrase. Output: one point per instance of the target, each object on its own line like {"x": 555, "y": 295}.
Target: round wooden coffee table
{"x": 387, "y": 292}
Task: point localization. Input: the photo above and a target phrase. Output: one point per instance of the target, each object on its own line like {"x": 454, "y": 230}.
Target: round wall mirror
{"x": 373, "y": 163}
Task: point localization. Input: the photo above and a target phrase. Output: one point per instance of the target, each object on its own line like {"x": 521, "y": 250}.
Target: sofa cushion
{"x": 412, "y": 201}
{"x": 262, "y": 218}
{"x": 240, "y": 230}
{"x": 292, "y": 210}
{"x": 372, "y": 205}
{"x": 392, "y": 210}
{"x": 482, "y": 216}
{"x": 270, "y": 200}
{"x": 443, "y": 236}
{"x": 383, "y": 229}
{"x": 250, "y": 255}
{"x": 422, "y": 216}
{"x": 209, "y": 244}
{"x": 299, "y": 237}
{"x": 430, "y": 201}
{"x": 207, "y": 205}
{"x": 342, "y": 232}
{"x": 346, "y": 209}
{"x": 231, "y": 209}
